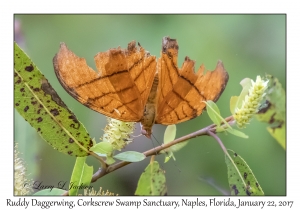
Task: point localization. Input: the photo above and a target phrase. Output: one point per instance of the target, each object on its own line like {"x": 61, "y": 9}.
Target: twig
{"x": 156, "y": 150}
{"x": 212, "y": 134}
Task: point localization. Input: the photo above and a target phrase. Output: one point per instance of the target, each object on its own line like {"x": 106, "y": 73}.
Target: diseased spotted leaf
{"x": 38, "y": 103}
{"x": 240, "y": 177}
{"x": 152, "y": 181}
{"x": 274, "y": 111}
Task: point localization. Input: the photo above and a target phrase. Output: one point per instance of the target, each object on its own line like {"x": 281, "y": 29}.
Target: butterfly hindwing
{"x": 181, "y": 92}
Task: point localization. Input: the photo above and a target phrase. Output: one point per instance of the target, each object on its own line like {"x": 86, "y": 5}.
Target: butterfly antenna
{"x": 167, "y": 153}
{"x": 156, "y": 141}
{"x": 153, "y": 143}
{"x": 177, "y": 167}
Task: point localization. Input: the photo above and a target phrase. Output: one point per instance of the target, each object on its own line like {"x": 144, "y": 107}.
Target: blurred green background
{"x": 248, "y": 45}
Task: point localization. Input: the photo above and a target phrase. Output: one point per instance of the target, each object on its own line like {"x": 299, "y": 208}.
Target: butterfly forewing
{"x": 142, "y": 67}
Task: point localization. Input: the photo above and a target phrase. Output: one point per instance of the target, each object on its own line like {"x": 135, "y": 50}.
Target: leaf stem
{"x": 102, "y": 170}
{"x": 212, "y": 134}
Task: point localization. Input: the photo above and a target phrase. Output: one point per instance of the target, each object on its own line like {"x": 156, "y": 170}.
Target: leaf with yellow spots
{"x": 38, "y": 103}
{"x": 152, "y": 181}
{"x": 240, "y": 177}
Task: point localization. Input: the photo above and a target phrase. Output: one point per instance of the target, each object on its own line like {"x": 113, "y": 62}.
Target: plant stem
{"x": 212, "y": 134}
{"x": 102, "y": 170}
{"x": 156, "y": 150}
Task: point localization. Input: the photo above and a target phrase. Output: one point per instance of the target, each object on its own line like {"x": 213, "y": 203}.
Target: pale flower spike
{"x": 101, "y": 192}
{"x": 251, "y": 102}
{"x": 117, "y": 133}
{"x": 21, "y": 186}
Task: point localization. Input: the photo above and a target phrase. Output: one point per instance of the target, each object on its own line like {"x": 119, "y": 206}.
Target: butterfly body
{"x": 150, "y": 110}
{"x": 132, "y": 86}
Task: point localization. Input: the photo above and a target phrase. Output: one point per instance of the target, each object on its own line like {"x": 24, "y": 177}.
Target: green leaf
{"x": 220, "y": 129}
{"x": 274, "y": 110}
{"x": 232, "y": 131}
{"x": 233, "y": 103}
{"x": 81, "y": 176}
{"x": 109, "y": 160}
{"x": 214, "y": 112}
{"x": 38, "y": 103}
{"x": 170, "y": 133}
{"x": 130, "y": 156}
{"x": 240, "y": 177}
{"x": 168, "y": 154}
{"x": 246, "y": 84}
{"x": 168, "y": 157}
{"x": 169, "y": 136}
{"x": 102, "y": 147}
{"x": 237, "y": 101}
{"x": 152, "y": 181}
{"x": 178, "y": 146}
{"x": 237, "y": 133}
{"x": 54, "y": 191}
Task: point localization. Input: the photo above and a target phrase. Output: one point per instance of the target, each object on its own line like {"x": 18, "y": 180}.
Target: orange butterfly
{"x": 132, "y": 86}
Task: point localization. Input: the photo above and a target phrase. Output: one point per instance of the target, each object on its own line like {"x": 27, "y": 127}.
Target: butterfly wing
{"x": 181, "y": 92}
{"x": 142, "y": 69}
{"x": 113, "y": 90}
